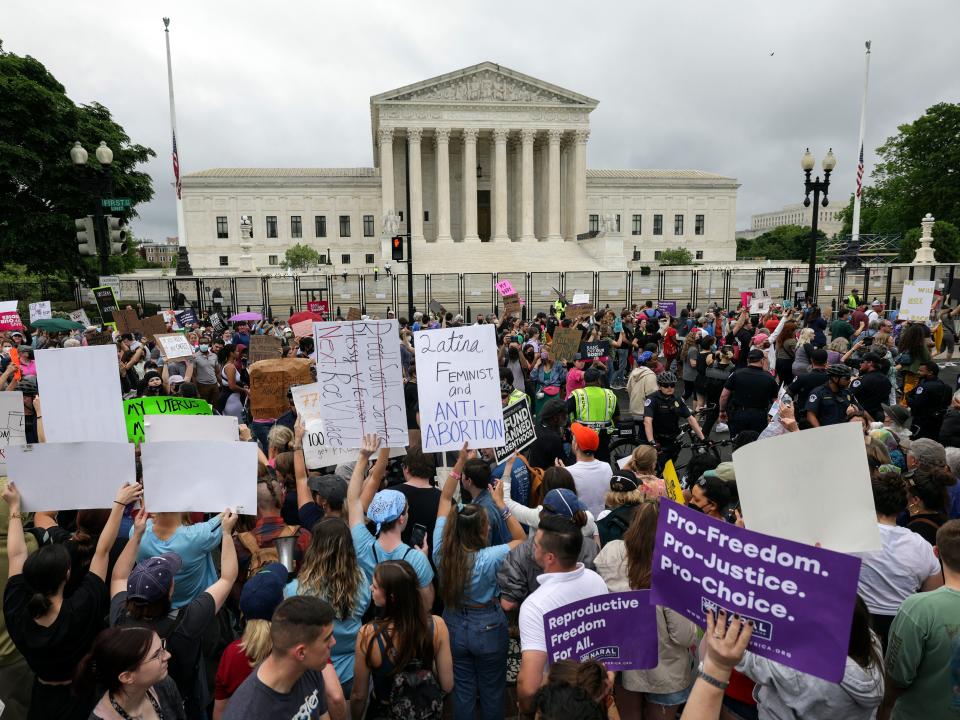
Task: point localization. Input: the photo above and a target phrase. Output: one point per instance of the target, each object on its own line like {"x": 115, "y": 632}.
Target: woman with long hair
{"x": 233, "y": 394}
{"x": 786, "y": 351}
{"x": 627, "y": 564}
{"x": 403, "y": 639}
{"x": 928, "y": 500}
{"x": 331, "y": 572}
{"x": 467, "y": 571}
{"x": 913, "y": 350}
{"x": 553, "y": 478}
{"x": 805, "y": 348}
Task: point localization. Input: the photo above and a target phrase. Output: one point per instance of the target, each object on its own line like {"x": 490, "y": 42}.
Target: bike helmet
{"x": 839, "y": 370}
{"x": 666, "y": 378}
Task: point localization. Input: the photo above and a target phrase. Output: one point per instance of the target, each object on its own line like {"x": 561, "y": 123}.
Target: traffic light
{"x": 117, "y": 235}
{"x": 86, "y": 237}
{"x": 396, "y": 249}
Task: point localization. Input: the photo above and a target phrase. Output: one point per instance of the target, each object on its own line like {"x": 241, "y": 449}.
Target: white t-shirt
{"x": 895, "y": 572}
{"x": 592, "y": 480}
{"x": 556, "y": 590}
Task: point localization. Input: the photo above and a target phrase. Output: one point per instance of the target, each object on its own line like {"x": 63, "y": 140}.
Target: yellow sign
{"x": 674, "y": 492}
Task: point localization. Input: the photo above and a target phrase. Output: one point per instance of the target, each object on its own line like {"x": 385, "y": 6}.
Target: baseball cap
{"x": 263, "y": 592}
{"x": 331, "y": 488}
{"x": 645, "y": 356}
{"x": 587, "y": 438}
{"x": 151, "y": 579}
{"x": 928, "y": 452}
{"x": 563, "y": 501}
{"x": 876, "y": 303}
{"x": 624, "y": 481}
{"x": 175, "y": 379}
{"x": 755, "y": 354}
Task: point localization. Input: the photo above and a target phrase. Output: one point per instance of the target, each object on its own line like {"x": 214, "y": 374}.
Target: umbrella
{"x": 57, "y": 325}
{"x": 305, "y": 315}
{"x": 246, "y": 316}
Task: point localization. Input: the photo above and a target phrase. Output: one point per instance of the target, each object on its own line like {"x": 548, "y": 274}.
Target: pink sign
{"x": 745, "y": 299}
{"x": 9, "y": 317}
{"x": 504, "y": 287}
{"x": 318, "y": 306}
{"x": 304, "y": 328}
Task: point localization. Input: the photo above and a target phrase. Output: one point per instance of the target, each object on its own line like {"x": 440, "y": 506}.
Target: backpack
{"x": 536, "y": 483}
{"x": 614, "y": 525}
{"x": 260, "y": 556}
{"x": 415, "y": 693}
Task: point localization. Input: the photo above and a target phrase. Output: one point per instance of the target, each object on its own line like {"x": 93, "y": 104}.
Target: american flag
{"x": 859, "y": 170}
{"x": 176, "y": 166}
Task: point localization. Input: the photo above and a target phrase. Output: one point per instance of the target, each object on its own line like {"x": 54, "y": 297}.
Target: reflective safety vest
{"x": 515, "y": 397}
{"x": 558, "y": 308}
{"x": 852, "y": 302}
{"x": 595, "y": 407}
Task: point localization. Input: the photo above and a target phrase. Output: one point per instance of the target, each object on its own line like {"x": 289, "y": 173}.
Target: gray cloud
{"x": 680, "y": 85}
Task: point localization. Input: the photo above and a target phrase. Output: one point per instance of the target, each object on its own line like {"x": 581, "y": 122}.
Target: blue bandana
{"x": 387, "y": 505}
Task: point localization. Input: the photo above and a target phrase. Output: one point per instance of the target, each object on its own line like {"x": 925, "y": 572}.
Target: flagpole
{"x": 183, "y": 263}
{"x": 855, "y": 235}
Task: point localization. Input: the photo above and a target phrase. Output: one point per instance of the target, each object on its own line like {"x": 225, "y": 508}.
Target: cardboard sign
{"x": 353, "y": 314}
{"x": 80, "y": 316}
{"x": 127, "y": 321}
{"x": 917, "y": 300}
{"x": 511, "y": 305}
{"x": 265, "y": 347}
{"x": 104, "y": 337}
{"x": 518, "y": 429}
{"x": 565, "y": 344}
{"x": 760, "y": 301}
{"x": 210, "y": 428}
{"x": 668, "y": 306}
{"x": 436, "y": 308}
{"x": 594, "y": 350}
{"x": 9, "y": 317}
{"x": 152, "y": 326}
{"x": 359, "y": 388}
{"x": 304, "y": 328}
{"x": 12, "y": 427}
{"x": 173, "y": 346}
{"x": 269, "y": 382}
{"x": 799, "y": 597}
{"x": 40, "y": 311}
{"x": 318, "y": 306}
{"x": 458, "y": 385}
{"x": 576, "y": 310}
{"x": 218, "y": 323}
{"x": 504, "y": 287}
{"x": 136, "y": 411}
{"x": 617, "y": 629}
{"x": 106, "y": 302}
{"x": 186, "y": 317}
{"x": 228, "y": 470}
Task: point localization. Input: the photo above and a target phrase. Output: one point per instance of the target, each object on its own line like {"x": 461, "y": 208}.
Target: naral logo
{"x": 602, "y": 653}
{"x": 762, "y": 629}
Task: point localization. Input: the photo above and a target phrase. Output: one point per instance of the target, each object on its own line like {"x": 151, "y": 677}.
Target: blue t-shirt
{"x": 193, "y": 543}
{"x": 498, "y": 532}
{"x": 344, "y": 631}
{"x": 486, "y": 562}
{"x": 370, "y": 553}
{"x": 519, "y": 480}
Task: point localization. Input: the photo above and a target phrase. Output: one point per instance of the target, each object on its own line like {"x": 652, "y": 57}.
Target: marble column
{"x": 527, "y": 137}
{"x": 385, "y": 142}
{"x": 580, "y": 221}
{"x": 500, "y": 233}
{"x": 553, "y": 185}
{"x": 470, "y": 185}
{"x": 442, "y": 141}
{"x": 415, "y": 221}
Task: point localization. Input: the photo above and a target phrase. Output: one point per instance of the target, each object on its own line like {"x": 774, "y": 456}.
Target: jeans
{"x": 260, "y": 431}
{"x": 619, "y": 375}
{"x": 478, "y": 641}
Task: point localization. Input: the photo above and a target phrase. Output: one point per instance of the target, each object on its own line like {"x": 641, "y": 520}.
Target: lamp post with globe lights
{"x": 100, "y": 185}
{"x": 816, "y": 186}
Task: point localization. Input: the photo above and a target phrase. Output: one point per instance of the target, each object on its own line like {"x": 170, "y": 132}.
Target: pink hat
{"x": 759, "y": 338}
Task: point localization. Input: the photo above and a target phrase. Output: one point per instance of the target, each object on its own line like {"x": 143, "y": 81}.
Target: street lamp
{"x": 101, "y": 187}
{"x": 816, "y": 186}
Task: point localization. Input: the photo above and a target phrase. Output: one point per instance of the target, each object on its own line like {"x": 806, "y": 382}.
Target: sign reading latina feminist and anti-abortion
{"x": 618, "y": 629}
{"x": 458, "y": 385}
{"x": 518, "y": 429}
{"x": 799, "y": 597}
{"x": 136, "y": 409}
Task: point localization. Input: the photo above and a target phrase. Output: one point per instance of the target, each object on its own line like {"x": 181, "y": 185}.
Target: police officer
{"x": 662, "y": 412}
{"x": 872, "y": 387}
{"x": 747, "y": 396}
{"x": 929, "y": 400}
{"x": 828, "y": 404}
{"x": 595, "y": 407}
{"x": 806, "y": 383}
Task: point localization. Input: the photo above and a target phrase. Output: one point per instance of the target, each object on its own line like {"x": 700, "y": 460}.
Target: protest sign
{"x": 9, "y": 317}
{"x": 672, "y": 482}
{"x": 353, "y": 314}
{"x": 318, "y": 306}
{"x": 170, "y": 318}
{"x": 304, "y": 328}
{"x": 799, "y": 597}
{"x": 70, "y": 475}
{"x": 127, "y": 321}
{"x": 593, "y": 350}
{"x": 359, "y": 382}
{"x": 917, "y": 300}
{"x": 317, "y": 453}
{"x": 745, "y": 298}
{"x": 106, "y": 302}
{"x": 12, "y": 428}
{"x": 104, "y": 337}
{"x": 81, "y": 389}
{"x": 824, "y": 473}
{"x": 173, "y": 346}
{"x": 505, "y": 287}
{"x": 80, "y": 316}
{"x": 218, "y": 323}
{"x": 511, "y": 305}
{"x": 436, "y": 308}
{"x": 518, "y": 430}
{"x": 135, "y": 411}
{"x": 760, "y": 301}
{"x": 264, "y": 347}
{"x": 194, "y": 476}
{"x": 269, "y": 382}
{"x": 40, "y": 311}
{"x": 458, "y": 385}
{"x": 565, "y": 344}
{"x": 152, "y": 326}
{"x": 668, "y": 306}
{"x": 618, "y": 629}
{"x": 186, "y": 317}
{"x": 215, "y": 428}
{"x": 580, "y": 298}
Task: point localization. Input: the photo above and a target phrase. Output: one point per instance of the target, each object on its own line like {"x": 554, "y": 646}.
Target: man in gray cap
{"x": 925, "y": 452}
{"x": 329, "y": 493}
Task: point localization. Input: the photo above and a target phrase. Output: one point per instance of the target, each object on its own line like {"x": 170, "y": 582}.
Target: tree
{"x": 300, "y": 257}
{"x": 946, "y": 243}
{"x": 787, "y": 242}
{"x": 677, "y": 256}
{"x": 41, "y": 192}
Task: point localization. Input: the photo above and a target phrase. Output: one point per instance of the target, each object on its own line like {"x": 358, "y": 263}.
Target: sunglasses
{"x": 668, "y": 385}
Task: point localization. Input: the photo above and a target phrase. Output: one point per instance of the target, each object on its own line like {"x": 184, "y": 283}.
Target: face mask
{"x": 204, "y": 348}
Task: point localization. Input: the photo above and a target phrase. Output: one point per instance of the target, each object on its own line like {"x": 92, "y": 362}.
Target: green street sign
{"x": 115, "y": 203}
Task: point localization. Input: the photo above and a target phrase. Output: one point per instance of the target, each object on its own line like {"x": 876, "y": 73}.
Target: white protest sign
{"x": 760, "y": 301}
{"x": 318, "y": 454}
{"x": 81, "y": 394}
{"x": 12, "y": 430}
{"x": 580, "y": 299}
{"x": 80, "y": 316}
{"x": 810, "y": 487}
{"x": 359, "y": 386}
{"x": 200, "y": 476}
{"x": 173, "y": 346}
{"x": 458, "y": 385}
{"x": 70, "y": 475}
{"x": 167, "y": 428}
{"x": 917, "y": 300}
{"x": 40, "y": 311}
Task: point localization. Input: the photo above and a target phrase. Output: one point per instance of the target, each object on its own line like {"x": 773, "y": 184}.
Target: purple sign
{"x": 668, "y": 306}
{"x": 618, "y": 629}
{"x": 800, "y": 598}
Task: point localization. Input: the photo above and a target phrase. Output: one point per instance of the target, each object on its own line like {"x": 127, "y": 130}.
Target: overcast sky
{"x": 735, "y": 87}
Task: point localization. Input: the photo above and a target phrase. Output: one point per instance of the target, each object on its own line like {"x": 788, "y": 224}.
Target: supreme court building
{"x": 498, "y": 180}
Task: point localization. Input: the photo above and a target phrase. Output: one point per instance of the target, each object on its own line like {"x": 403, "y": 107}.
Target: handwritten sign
{"x": 127, "y": 321}
{"x": 265, "y": 347}
{"x": 565, "y": 344}
{"x": 505, "y": 287}
{"x": 12, "y": 428}
{"x": 304, "y": 328}
{"x": 799, "y": 597}
{"x": 9, "y": 317}
{"x": 136, "y": 410}
{"x": 40, "y": 311}
{"x": 617, "y": 629}
{"x": 318, "y": 454}
{"x": 173, "y": 346}
{"x": 152, "y": 326}
{"x": 917, "y": 300}
{"x": 106, "y": 302}
{"x": 104, "y": 337}
{"x": 359, "y": 387}
{"x": 269, "y": 382}
{"x": 458, "y": 385}
{"x": 80, "y": 316}
{"x": 511, "y": 304}
{"x": 518, "y": 430}
{"x": 353, "y": 314}
{"x": 594, "y": 350}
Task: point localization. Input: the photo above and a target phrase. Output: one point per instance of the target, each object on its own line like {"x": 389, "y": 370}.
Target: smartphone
{"x": 868, "y": 341}
{"x": 618, "y": 325}
{"x": 417, "y": 535}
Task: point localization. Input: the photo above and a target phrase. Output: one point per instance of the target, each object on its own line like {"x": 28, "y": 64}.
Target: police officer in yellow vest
{"x": 559, "y": 307}
{"x": 853, "y": 301}
{"x": 595, "y": 407}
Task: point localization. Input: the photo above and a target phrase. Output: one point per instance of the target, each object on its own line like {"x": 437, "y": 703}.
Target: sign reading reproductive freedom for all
{"x": 799, "y": 597}
{"x": 458, "y": 385}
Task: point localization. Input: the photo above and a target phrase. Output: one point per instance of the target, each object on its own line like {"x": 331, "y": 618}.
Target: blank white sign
{"x": 196, "y": 476}
{"x": 166, "y": 428}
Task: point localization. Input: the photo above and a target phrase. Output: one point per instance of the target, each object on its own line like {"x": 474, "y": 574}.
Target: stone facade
{"x": 797, "y": 214}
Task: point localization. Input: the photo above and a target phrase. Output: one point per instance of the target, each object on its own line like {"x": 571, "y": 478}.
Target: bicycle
{"x": 631, "y": 434}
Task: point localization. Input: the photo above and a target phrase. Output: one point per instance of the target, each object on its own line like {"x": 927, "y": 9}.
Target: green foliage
{"x": 41, "y": 192}
{"x": 946, "y": 243}
{"x": 300, "y": 257}
{"x": 787, "y": 242}
{"x": 677, "y": 256}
